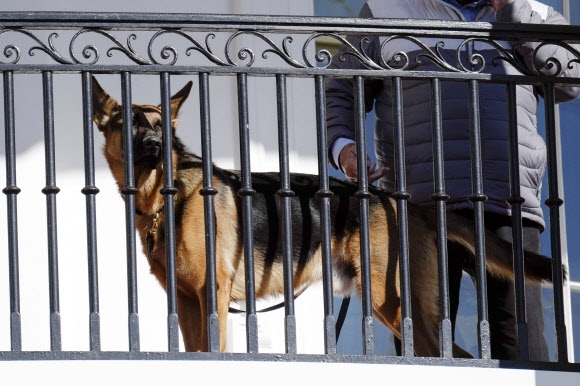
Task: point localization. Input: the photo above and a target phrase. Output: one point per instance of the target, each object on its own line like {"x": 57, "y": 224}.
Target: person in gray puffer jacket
{"x": 493, "y": 102}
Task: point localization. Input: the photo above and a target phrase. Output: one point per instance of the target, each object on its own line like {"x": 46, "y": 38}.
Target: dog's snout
{"x": 148, "y": 150}
{"x": 151, "y": 143}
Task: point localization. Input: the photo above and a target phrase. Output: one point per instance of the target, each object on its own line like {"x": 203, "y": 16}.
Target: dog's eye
{"x": 135, "y": 122}
{"x": 158, "y": 125}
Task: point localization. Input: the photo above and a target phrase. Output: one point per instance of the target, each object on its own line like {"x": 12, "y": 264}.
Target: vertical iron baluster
{"x": 90, "y": 191}
{"x": 11, "y": 190}
{"x": 51, "y": 190}
{"x": 246, "y": 193}
{"x": 478, "y": 198}
{"x": 168, "y": 191}
{"x": 516, "y": 202}
{"x": 208, "y": 191}
{"x": 129, "y": 192}
{"x": 440, "y": 197}
{"x": 324, "y": 194}
{"x": 554, "y": 202}
{"x": 363, "y": 195}
{"x": 285, "y": 194}
{"x": 402, "y": 197}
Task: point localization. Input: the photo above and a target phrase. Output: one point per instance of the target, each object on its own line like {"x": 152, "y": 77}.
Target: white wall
{"x": 258, "y": 373}
{"x": 72, "y": 250}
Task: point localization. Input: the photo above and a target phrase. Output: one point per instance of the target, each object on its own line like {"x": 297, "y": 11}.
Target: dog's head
{"x": 146, "y": 126}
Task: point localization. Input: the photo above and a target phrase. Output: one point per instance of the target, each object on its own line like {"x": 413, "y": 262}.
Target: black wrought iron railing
{"x": 204, "y": 46}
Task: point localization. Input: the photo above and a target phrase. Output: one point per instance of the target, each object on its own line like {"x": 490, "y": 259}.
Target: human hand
{"x": 348, "y": 164}
{"x": 499, "y": 4}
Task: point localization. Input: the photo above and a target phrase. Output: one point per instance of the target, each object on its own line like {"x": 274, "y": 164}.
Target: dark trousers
{"x": 501, "y": 295}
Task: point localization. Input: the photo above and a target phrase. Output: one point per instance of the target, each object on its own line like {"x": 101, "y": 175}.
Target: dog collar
{"x": 152, "y": 233}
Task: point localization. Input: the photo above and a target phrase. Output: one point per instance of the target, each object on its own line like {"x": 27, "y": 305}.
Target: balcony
{"x": 78, "y": 295}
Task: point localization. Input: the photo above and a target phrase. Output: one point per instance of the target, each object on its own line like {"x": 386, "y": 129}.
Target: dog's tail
{"x": 499, "y": 260}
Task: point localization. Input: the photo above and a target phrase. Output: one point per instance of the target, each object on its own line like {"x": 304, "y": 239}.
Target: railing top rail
{"x": 193, "y": 21}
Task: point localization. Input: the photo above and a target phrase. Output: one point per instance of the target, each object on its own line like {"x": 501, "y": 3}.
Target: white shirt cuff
{"x": 337, "y": 147}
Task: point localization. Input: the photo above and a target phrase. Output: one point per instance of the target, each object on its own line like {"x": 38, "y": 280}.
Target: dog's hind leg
{"x": 425, "y": 302}
{"x": 426, "y": 340}
{"x": 458, "y": 352}
{"x": 192, "y": 321}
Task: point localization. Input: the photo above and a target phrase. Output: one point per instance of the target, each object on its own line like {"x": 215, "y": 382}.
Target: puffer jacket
{"x": 455, "y": 110}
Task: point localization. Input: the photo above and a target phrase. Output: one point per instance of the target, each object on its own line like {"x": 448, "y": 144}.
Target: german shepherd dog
{"x": 306, "y": 246}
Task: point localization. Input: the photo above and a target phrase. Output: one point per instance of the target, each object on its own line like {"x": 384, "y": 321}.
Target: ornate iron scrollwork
{"x": 168, "y": 51}
{"x": 245, "y": 55}
{"x": 49, "y": 49}
{"x": 245, "y": 52}
{"x": 92, "y": 51}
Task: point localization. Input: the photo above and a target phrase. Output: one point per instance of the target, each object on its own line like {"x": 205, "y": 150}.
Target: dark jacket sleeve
{"x": 520, "y": 11}
{"x": 340, "y": 117}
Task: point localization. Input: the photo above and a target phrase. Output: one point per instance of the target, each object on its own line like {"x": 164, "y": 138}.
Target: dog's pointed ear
{"x": 178, "y": 99}
{"x": 103, "y": 105}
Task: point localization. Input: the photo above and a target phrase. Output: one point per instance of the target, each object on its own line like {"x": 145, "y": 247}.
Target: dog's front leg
{"x": 191, "y": 313}
{"x": 223, "y": 299}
